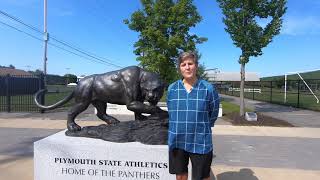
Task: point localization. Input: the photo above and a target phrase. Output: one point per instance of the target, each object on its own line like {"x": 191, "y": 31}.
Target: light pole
{"x": 45, "y": 38}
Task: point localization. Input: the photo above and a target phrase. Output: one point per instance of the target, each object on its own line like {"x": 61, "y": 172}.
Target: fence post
{"x": 232, "y": 86}
{"x": 298, "y": 103}
{"x": 225, "y": 89}
{"x": 271, "y": 91}
{"x": 8, "y": 97}
{"x": 253, "y": 90}
{"x": 41, "y": 86}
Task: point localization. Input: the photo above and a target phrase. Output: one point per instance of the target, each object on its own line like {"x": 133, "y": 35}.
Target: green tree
{"x": 163, "y": 27}
{"x": 70, "y": 78}
{"x": 240, "y": 18}
{"x": 202, "y": 72}
{"x": 10, "y": 66}
{"x": 37, "y": 72}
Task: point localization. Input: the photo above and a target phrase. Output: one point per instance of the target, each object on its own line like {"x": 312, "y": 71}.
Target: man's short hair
{"x": 188, "y": 54}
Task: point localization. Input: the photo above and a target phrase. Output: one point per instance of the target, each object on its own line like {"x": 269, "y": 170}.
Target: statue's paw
{"x": 142, "y": 118}
{"x": 158, "y": 110}
{"x": 163, "y": 114}
{"x": 113, "y": 121}
{"x": 73, "y": 127}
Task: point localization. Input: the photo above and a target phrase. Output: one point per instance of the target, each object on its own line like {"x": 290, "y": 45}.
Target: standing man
{"x": 193, "y": 106}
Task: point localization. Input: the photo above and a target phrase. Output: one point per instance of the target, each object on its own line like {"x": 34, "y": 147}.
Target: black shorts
{"x": 179, "y": 160}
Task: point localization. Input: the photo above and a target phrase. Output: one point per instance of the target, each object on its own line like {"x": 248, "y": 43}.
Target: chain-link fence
{"x": 297, "y": 94}
{"x": 17, "y": 93}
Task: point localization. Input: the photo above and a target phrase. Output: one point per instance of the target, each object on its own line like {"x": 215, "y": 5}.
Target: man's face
{"x": 188, "y": 69}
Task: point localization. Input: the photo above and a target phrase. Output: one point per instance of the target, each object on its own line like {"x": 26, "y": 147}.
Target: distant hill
{"x": 308, "y": 75}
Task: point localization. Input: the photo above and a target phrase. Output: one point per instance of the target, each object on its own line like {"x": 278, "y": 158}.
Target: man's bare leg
{"x": 182, "y": 176}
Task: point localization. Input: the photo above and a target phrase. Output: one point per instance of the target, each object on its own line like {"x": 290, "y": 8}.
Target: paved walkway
{"x": 243, "y": 152}
{"x": 295, "y": 116}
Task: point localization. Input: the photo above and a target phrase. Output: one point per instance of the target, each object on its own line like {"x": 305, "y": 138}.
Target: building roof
{"x": 13, "y": 72}
{"x": 231, "y": 76}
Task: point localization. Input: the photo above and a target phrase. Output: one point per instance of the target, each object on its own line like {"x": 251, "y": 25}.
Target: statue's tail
{"x": 53, "y": 106}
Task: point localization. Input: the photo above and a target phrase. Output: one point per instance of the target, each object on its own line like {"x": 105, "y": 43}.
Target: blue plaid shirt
{"x": 191, "y": 116}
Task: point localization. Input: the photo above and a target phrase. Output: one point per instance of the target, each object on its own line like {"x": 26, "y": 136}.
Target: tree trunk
{"x": 242, "y": 106}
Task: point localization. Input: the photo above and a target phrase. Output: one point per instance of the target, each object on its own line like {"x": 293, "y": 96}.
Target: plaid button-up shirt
{"x": 191, "y": 116}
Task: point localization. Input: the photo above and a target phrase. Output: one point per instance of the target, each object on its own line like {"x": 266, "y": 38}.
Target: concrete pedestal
{"x": 60, "y": 157}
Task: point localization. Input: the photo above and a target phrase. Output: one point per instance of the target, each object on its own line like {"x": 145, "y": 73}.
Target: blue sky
{"x": 97, "y": 26}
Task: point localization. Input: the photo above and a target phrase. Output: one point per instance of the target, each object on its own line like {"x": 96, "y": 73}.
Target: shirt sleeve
{"x": 168, "y": 93}
{"x": 214, "y": 105}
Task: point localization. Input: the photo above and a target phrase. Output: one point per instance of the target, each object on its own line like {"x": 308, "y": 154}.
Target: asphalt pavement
{"x": 242, "y": 152}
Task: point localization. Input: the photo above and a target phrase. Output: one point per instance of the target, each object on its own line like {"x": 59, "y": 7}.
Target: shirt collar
{"x": 194, "y": 85}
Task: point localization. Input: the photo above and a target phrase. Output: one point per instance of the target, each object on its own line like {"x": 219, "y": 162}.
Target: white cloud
{"x": 301, "y": 25}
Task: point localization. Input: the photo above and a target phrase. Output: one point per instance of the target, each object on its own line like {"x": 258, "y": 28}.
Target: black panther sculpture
{"x": 129, "y": 86}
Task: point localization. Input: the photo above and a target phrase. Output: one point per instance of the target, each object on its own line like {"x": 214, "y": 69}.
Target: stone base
{"x": 60, "y": 157}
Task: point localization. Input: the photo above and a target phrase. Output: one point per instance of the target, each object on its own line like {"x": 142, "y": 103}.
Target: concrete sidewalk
{"x": 243, "y": 152}
{"x": 295, "y": 116}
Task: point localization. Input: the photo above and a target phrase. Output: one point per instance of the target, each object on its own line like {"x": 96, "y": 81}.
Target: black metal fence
{"x": 16, "y": 92}
{"x": 297, "y": 94}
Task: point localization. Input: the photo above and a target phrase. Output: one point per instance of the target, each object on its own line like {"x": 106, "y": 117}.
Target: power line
{"x": 21, "y": 31}
{"x": 105, "y": 20}
{"x": 104, "y": 60}
{"x": 88, "y": 54}
{"x": 54, "y": 45}
{"x": 21, "y": 22}
{"x": 61, "y": 48}
{"x": 95, "y": 15}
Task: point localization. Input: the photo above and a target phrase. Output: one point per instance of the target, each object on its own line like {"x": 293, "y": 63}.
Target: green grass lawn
{"x": 231, "y": 114}
{"x": 306, "y": 99}
{"x": 228, "y": 108}
{"x": 58, "y": 92}
{"x": 26, "y": 102}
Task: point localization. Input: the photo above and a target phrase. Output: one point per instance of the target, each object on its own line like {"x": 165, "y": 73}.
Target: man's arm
{"x": 214, "y": 105}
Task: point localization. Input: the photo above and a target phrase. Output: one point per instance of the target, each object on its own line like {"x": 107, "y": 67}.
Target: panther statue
{"x": 130, "y": 86}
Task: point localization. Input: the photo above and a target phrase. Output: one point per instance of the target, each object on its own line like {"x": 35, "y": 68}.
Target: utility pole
{"x": 46, "y": 38}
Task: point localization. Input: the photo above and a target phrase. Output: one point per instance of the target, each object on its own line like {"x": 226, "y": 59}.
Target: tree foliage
{"x": 70, "y": 78}
{"x": 10, "y": 66}
{"x": 241, "y": 18}
{"x": 241, "y": 23}
{"x": 51, "y": 79}
{"x": 37, "y": 72}
{"x": 163, "y": 27}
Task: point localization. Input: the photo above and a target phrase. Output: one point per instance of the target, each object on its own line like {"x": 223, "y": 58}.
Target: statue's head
{"x": 152, "y": 87}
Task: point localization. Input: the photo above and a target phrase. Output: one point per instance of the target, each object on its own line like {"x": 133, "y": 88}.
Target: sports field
{"x": 26, "y": 102}
{"x": 303, "y": 99}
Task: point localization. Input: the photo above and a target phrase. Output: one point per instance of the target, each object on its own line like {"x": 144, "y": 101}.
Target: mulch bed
{"x": 263, "y": 120}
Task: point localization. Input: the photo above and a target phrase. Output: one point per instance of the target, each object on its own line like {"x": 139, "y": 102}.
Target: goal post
{"x": 298, "y": 73}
